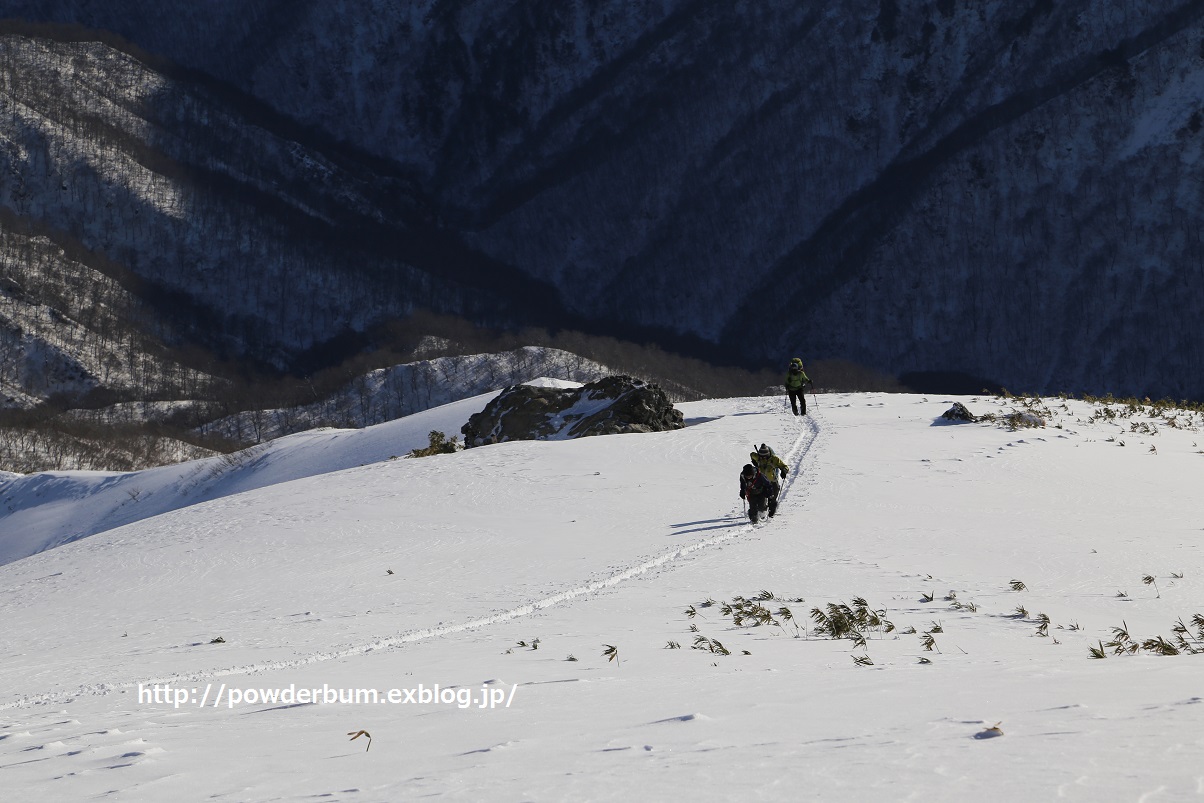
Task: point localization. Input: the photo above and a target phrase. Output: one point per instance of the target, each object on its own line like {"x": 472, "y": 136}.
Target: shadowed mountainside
{"x": 1002, "y": 189}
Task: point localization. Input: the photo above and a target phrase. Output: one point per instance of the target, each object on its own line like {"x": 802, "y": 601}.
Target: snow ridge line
{"x": 798, "y": 450}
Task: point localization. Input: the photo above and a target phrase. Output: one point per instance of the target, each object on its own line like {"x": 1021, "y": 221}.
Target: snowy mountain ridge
{"x": 400, "y": 390}
{"x": 48, "y": 509}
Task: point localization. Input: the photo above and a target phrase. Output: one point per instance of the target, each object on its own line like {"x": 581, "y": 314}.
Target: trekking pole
{"x": 814, "y": 400}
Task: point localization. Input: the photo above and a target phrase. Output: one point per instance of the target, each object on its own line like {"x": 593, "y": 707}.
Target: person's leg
{"x": 756, "y": 508}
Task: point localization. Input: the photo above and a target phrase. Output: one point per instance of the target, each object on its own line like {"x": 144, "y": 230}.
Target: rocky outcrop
{"x": 958, "y": 413}
{"x": 611, "y": 405}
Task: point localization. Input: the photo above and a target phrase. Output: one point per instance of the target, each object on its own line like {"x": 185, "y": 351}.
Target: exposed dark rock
{"x": 958, "y": 412}
{"x": 611, "y": 405}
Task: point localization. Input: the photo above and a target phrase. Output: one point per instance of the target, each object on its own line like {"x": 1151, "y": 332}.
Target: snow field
{"x": 608, "y": 541}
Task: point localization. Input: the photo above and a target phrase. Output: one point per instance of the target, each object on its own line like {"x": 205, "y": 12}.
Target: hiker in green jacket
{"x": 796, "y": 382}
{"x": 771, "y": 468}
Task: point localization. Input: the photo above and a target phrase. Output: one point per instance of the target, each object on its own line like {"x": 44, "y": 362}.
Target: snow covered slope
{"x": 502, "y": 574}
{"x": 48, "y": 509}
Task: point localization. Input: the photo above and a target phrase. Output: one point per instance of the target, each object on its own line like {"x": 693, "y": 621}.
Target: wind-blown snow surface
{"x": 52, "y": 508}
{"x": 608, "y": 541}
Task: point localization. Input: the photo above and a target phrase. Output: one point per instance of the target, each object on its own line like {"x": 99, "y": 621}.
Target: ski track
{"x": 799, "y": 450}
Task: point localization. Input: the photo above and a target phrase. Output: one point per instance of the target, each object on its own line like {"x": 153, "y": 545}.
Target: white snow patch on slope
{"x": 53, "y": 508}
{"x": 549, "y": 382}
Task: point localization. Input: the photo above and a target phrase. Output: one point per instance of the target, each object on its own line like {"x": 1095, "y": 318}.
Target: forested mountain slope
{"x": 1009, "y": 189}
{"x": 144, "y": 207}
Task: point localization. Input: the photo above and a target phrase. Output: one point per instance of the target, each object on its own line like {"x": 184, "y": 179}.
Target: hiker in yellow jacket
{"x": 770, "y": 466}
{"x": 796, "y": 384}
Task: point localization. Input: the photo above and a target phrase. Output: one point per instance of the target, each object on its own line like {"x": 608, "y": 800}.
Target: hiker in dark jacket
{"x": 796, "y": 383}
{"x": 757, "y": 490}
{"x": 770, "y": 467}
